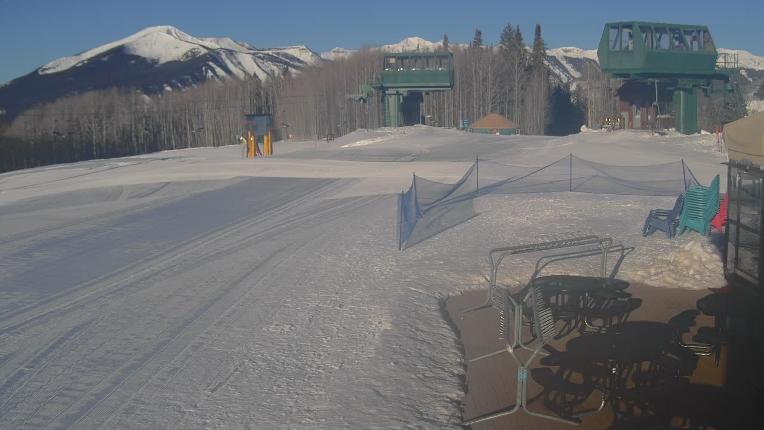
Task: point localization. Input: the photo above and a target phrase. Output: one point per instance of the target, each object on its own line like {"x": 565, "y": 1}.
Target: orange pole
{"x": 251, "y": 138}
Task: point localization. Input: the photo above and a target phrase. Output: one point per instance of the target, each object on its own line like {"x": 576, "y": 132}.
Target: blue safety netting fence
{"x": 429, "y": 207}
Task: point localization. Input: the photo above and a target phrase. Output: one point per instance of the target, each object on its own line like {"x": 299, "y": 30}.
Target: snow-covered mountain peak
{"x": 165, "y": 43}
{"x": 573, "y": 52}
{"x": 337, "y": 53}
{"x": 161, "y": 44}
{"x": 226, "y": 43}
{"x": 412, "y": 43}
{"x": 300, "y": 52}
{"x": 745, "y": 59}
{"x": 152, "y": 60}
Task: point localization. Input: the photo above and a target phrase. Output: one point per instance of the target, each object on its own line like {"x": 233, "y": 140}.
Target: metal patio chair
{"x": 545, "y": 329}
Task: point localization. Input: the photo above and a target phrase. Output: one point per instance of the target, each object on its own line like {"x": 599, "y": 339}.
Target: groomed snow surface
{"x": 196, "y": 289}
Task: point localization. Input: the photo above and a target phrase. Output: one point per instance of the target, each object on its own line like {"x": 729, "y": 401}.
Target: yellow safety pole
{"x": 251, "y": 138}
{"x": 270, "y": 143}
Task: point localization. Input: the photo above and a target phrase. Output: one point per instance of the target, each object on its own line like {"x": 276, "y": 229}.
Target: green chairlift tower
{"x": 677, "y": 59}
{"x": 406, "y": 77}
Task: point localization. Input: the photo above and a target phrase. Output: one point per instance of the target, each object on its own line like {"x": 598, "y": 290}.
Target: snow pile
{"x": 756, "y": 106}
{"x": 695, "y": 265}
{"x": 364, "y": 142}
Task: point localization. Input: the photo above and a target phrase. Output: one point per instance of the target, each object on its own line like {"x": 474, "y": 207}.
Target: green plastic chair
{"x": 700, "y": 206}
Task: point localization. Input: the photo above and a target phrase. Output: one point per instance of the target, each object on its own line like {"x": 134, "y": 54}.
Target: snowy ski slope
{"x": 195, "y": 289}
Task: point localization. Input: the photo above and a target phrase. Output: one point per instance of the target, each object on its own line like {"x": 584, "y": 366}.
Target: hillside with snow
{"x": 153, "y": 60}
{"x": 163, "y": 44}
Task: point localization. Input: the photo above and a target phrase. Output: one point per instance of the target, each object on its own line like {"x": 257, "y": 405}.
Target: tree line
{"x": 117, "y": 122}
{"x": 507, "y": 78}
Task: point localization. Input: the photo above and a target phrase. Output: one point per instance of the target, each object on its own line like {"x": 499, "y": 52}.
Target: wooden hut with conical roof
{"x": 494, "y": 123}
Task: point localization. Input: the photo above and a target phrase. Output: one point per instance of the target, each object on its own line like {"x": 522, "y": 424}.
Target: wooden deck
{"x": 491, "y": 382}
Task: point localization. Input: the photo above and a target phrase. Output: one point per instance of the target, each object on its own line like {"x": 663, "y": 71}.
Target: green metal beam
{"x": 686, "y": 110}
{"x": 657, "y": 50}
{"x": 392, "y": 101}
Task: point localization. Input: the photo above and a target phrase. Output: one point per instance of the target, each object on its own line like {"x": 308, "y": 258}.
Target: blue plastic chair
{"x": 664, "y": 219}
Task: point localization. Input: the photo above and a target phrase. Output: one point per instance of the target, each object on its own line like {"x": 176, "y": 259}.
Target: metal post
{"x": 477, "y": 175}
{"x": 413, "y": 190}
{"x": 657, "y": 106}
{"x": 400, "y": 221}
{"x": 570, "y": 174}
{"x": 738, "y": 187}
{"x": 757, "y": 187}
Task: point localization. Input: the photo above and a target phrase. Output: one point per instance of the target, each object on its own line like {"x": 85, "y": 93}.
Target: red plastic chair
{"x": 720, "y": 219}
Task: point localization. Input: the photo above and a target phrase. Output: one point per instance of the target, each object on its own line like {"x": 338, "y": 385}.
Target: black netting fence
{"x": 430, "y": 207}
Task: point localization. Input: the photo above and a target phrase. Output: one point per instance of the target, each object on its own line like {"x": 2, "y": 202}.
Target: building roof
{"x": 745, "y": 138}
{"x": 493, "y": 120}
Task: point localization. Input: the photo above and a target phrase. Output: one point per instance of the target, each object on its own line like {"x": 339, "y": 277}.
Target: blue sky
{"x": 33, "y": 32}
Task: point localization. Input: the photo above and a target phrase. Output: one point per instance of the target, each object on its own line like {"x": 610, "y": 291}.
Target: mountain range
{"x": 164, "y": 58}
{"x": 153, "y": 60}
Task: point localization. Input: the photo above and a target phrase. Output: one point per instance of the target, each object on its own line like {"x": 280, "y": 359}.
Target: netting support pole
{"x": 684, "y": 175}
{"x": 477, "y": 175}
{"x": 413, "y": 190}
{"x": 570, "y": 174}
{"x": 400, "y": 221}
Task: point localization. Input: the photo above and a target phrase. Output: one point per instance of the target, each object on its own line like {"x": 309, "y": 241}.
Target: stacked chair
{"x": 700, "y": 206}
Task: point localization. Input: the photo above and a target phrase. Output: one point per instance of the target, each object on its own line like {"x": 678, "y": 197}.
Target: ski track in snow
{"x": 196, "y": 290}
{"x": 121, "y": 351}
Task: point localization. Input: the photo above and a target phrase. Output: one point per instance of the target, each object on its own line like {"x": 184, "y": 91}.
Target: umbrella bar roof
{"x": 745, "y": 138}
{"x": 493, "y": 121}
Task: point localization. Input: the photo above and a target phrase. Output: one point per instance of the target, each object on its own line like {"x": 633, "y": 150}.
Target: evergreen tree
{"x": 445, "y": 42}
{"x": 514, "y": 71}
{"x": 507, "y": 36}
{"x": 565, "y": 116}
{"x": 538, "y": 54}
{"x": 477, "y": 42}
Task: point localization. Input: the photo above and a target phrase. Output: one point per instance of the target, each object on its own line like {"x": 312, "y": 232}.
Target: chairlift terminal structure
{"x": 406, "y": 77}
{"x": 663, "y": 65}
